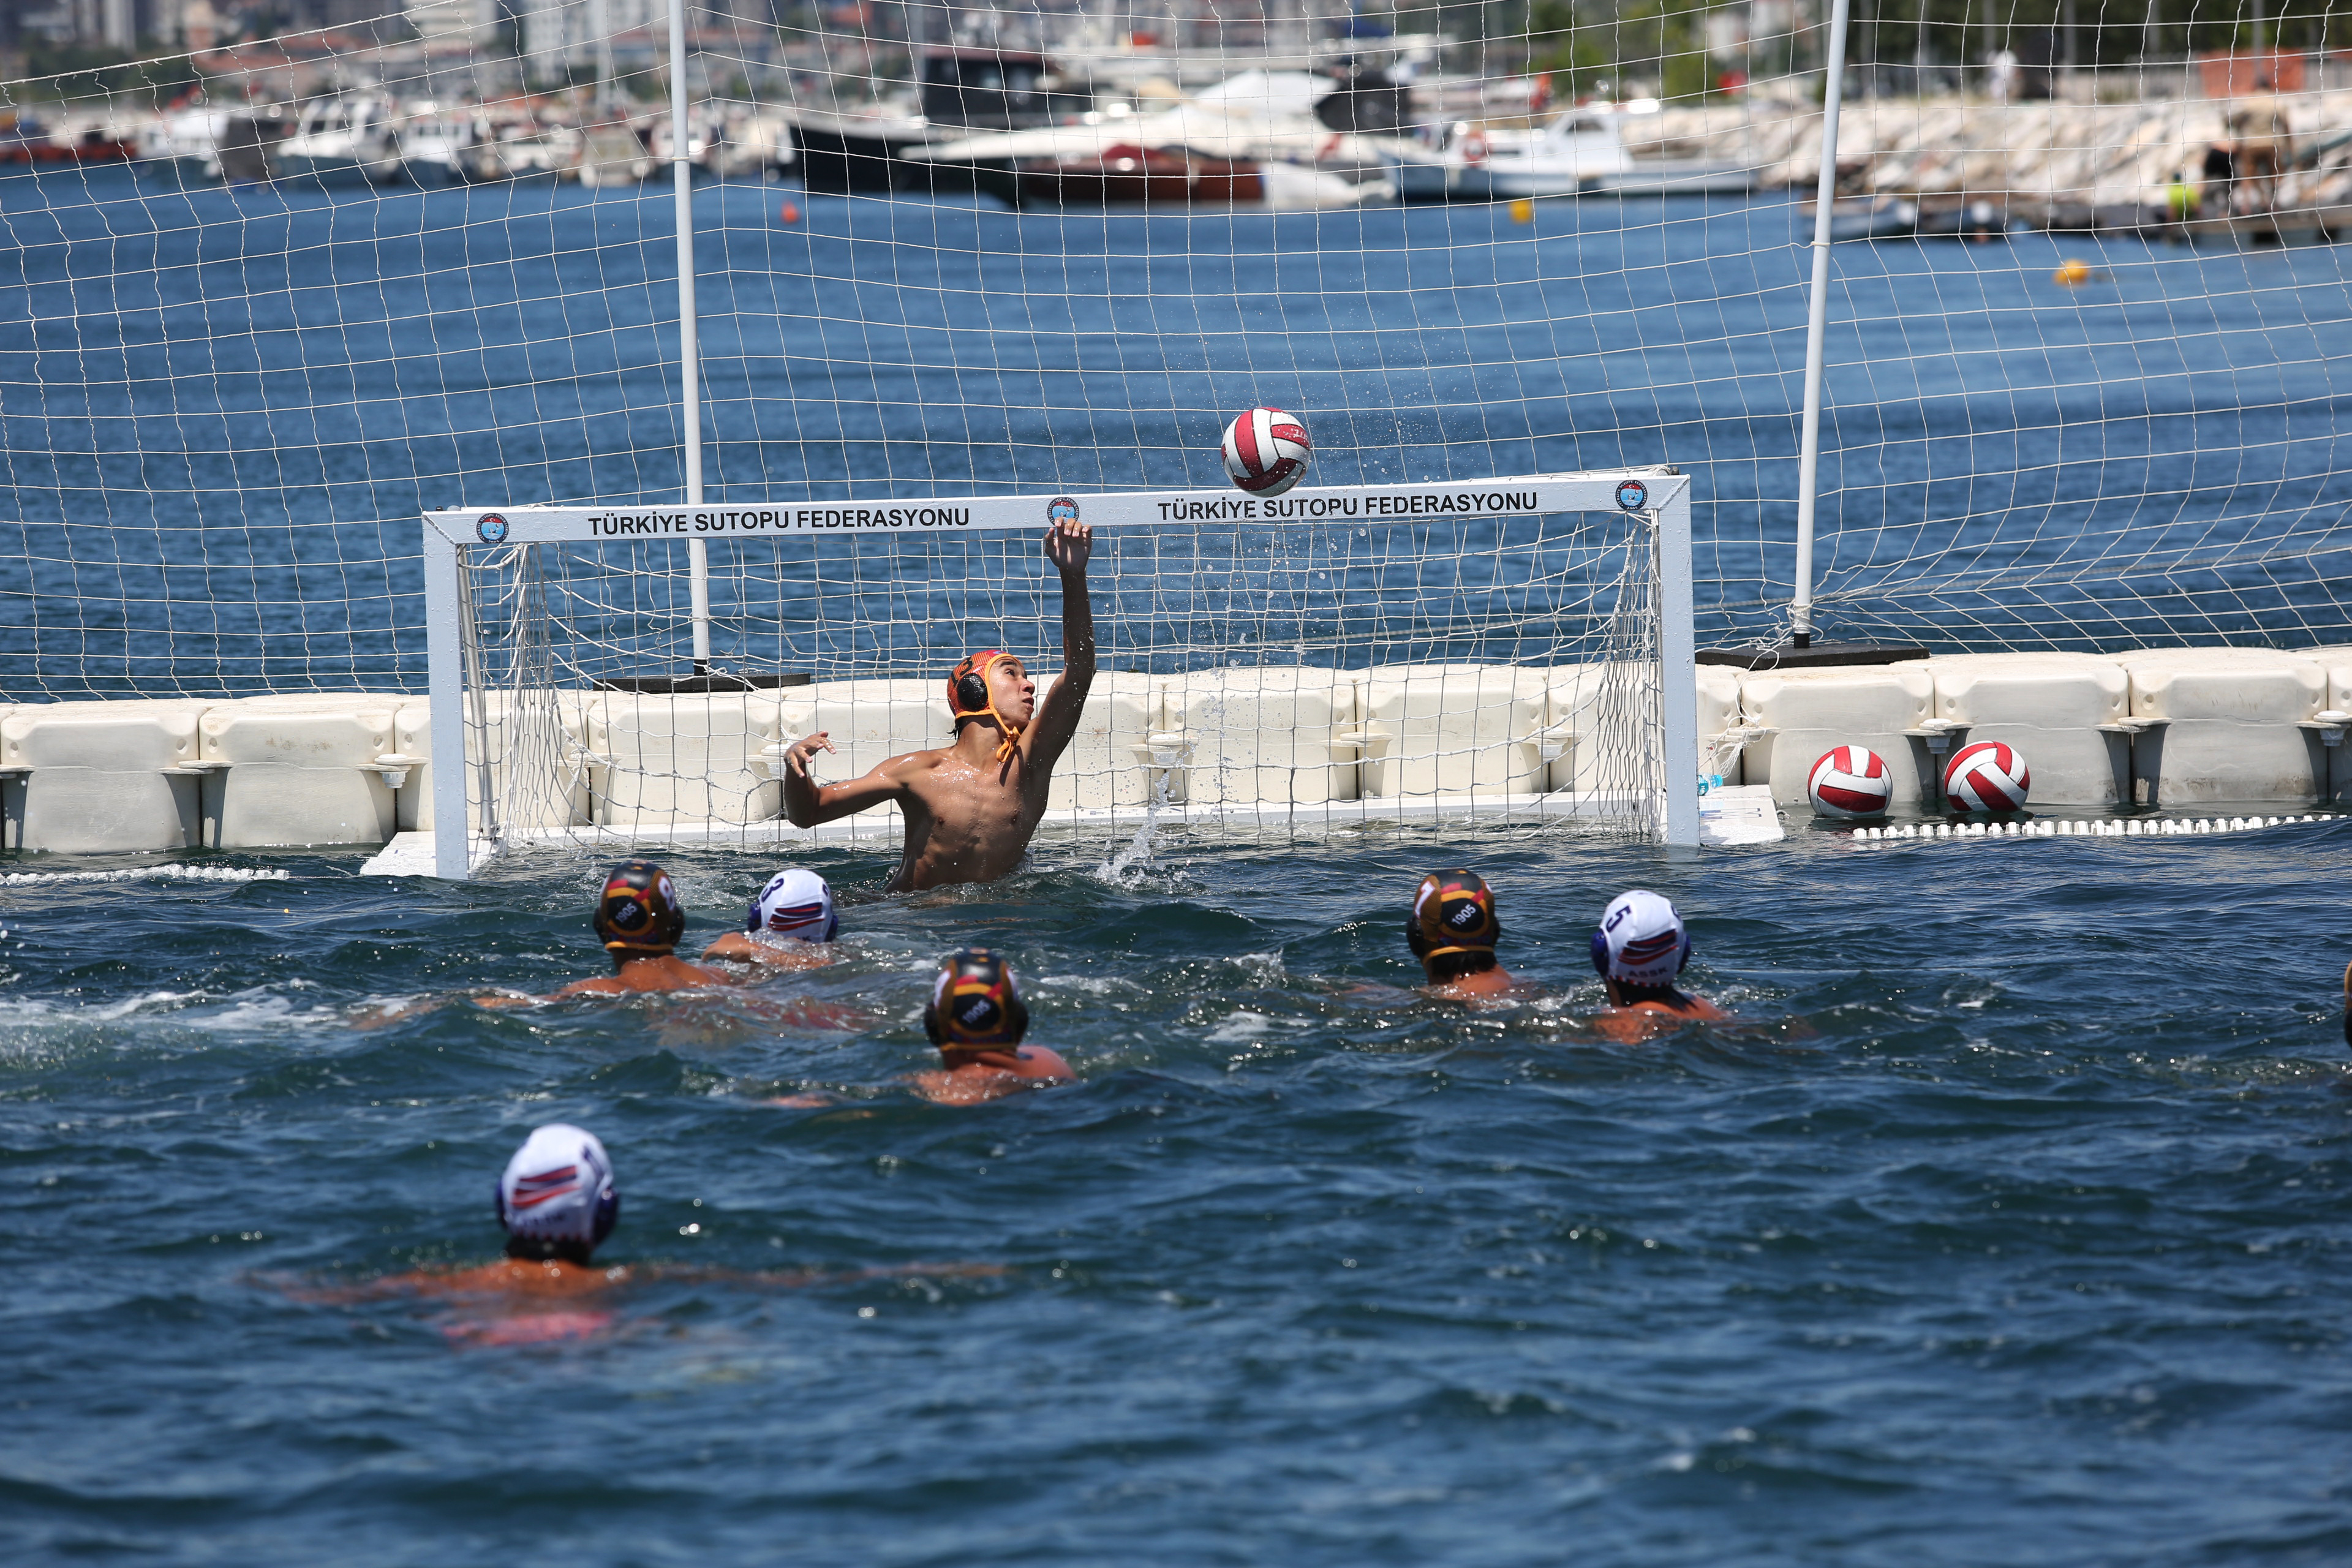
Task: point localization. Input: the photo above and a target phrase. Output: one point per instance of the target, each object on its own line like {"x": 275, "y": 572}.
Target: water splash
{"x": 193, "y": 873}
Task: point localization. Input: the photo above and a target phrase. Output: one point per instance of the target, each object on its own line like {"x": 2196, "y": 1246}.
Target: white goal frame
{"x": 1660, "y": 498}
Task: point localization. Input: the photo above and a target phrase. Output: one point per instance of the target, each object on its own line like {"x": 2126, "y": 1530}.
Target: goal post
{"x": 1518, "y": 646}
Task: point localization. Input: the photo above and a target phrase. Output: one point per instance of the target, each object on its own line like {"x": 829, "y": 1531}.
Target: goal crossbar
{"x": 1657, "y": 499}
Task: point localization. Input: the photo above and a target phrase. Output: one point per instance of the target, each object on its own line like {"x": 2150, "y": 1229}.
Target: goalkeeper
{"x": 971, "y": 808}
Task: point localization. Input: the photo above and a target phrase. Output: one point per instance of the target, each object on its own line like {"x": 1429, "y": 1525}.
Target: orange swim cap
{"x": 969, "y": 697}
{"x": 1453, "y": 911}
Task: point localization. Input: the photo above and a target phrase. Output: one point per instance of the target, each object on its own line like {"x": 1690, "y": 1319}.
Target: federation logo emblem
{"x": 492, "y": 528}
{"x": 1633, "y": 495}
{"x": 1061, "y": 509}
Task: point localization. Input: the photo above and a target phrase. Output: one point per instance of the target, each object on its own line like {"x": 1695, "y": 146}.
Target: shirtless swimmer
{"x": 639, "y": 920}
{"x": 976, "y": 1018}
{"x": 1641, "y": 946}
{"x": 972, "y": 807}
{"x": 1452, "y": 929}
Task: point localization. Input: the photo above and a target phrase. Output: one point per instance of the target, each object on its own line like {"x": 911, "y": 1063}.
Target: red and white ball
{"x": 1987, "y": 776}
{"x": 1851, "y": 780}
{"x": 1266, "y": 451}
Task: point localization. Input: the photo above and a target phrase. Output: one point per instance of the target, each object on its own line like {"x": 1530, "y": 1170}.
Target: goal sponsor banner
{"x": 1532, "y": 495}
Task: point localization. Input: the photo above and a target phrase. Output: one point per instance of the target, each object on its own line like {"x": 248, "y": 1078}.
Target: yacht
{"x": 342, "y": 140}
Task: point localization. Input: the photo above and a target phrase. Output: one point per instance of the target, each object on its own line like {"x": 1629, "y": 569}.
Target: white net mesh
{"x": 233, "y": 367}
{"x": 1255, "y": 676}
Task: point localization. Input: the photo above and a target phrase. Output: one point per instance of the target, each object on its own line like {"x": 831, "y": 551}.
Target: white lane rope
{"x": 189, "y": 873}
{"x": 2127, "y": 827}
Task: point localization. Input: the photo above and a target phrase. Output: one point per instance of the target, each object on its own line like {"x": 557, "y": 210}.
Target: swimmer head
{"x": 974, "y": 690}
{"x": 794, "y": 904}
{"x": 1453, "y": 928}
{"x": 556, "y": 1199}
{"x": 975, "y": 1005}
{"x": 1641, "y": 942}
{"x": 638, "y": 915}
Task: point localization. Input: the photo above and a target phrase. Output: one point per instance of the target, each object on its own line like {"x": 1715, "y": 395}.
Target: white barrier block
{"x": 105, "y": 776}
{"x": 869, "y": 721}
{"x": 2231, "y": 722}
{"x": 1811, "y": 711}
{"x": 2047, "y": 705}
{"x": 1278, "y": 735}
{"x": 298, "y": 769}
{"x": 1719, "y": 709}
{"x": 1101, "y": 769}
{"x": 670, "y": 759}
{"x": 538, "y": 740}
{"x": 1454, "y": 728}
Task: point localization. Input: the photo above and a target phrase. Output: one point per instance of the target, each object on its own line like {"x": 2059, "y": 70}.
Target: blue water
{"x": 2007, "y": 1224}
{"x": 221, "y": 411}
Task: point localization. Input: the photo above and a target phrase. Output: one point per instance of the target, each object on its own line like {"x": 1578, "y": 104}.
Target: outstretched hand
{"x": 796, "y": 760}
{"x": 1068, "y": 543}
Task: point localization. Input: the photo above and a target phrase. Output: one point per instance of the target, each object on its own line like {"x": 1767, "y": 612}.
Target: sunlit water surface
{"x": 2007, "y": 1226}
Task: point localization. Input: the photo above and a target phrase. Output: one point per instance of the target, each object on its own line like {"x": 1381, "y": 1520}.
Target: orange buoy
{"x": 789, "y": 213}
{"x": 2073, "y": 270}
{"x": 1523, "y": 211}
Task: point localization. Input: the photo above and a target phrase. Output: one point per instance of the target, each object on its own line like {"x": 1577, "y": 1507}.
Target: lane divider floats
{"x": 191, "y": 873}
{"x": 2129, "y": 827}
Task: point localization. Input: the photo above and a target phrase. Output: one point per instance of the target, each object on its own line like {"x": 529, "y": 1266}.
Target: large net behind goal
{"x": 264, "y": 303}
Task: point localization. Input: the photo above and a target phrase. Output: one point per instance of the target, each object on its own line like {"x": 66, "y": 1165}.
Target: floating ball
{"x": 1523, "y": 211}
{"x": 788, "y": 213}
{"x": 1266, "y": 451}
{"x": 1987, "y": 776}
{"x": 2072, "y": 272}
{"x": 1851, "y": 780}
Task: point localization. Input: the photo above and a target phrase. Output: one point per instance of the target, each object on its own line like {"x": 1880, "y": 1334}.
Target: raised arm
{"x": 1068, "y": 546}
{"x": 808, "y": 803}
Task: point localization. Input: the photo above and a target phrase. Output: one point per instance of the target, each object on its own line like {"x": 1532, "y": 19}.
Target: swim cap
{"x": 1453, "y": 911}
{"x": 639, "y": 911}
{"x": 969, "y": 697}
{"x": 1642, "y": 940}
{"x": 794, "y": 903}
{"x": 976, "y": 1005}
{"x": 558, "y": 1189}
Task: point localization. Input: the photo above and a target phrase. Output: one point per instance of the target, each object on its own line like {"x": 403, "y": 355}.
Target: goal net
{"x": 1336, "y": 655}
{"x": 264, "y": 302}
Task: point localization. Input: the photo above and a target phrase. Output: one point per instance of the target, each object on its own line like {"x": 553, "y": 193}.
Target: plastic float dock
{"x": 2171, "y": 728}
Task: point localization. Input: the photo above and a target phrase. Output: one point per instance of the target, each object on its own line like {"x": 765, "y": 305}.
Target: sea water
{"x": 2005, "y": 1224}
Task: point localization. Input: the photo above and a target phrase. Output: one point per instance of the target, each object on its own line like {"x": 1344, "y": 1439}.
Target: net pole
{"x": 1808, "y": 452}
{"x": 689, "y": 346}
{"x": 446, "y": 680}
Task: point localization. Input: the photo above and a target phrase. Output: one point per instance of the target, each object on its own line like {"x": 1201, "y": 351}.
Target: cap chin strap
{"x": 1442, "y": 952}
{"x": 1011, "y": 731}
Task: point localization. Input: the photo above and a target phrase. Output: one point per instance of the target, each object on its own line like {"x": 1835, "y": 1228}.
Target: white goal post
{"x": 1547, "y": 618}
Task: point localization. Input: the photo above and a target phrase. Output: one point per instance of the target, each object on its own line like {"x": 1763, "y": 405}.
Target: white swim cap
{"x": 1640, "y": 941}
{"x": 794, "y": 903}
{"x": 559, "y": 1188}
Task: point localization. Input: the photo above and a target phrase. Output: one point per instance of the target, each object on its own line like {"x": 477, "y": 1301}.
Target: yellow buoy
{"x": 2073, "y": 270}
{"x": 1523, "y": 211}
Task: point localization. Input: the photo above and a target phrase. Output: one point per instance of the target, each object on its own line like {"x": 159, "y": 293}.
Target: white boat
{"x": 435, "y": 149}
{"x": 340, "y": 141}
{"x": 1579, "y": 153}
{"x": 182, "y": 148}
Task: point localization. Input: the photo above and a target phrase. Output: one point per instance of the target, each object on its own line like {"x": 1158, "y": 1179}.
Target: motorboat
{"x": 212, "y": 146}
{"x": 1578, "y": 154}
{"x": 1254, "y": 140}
{"x": 1130, "y": 175}
{"x": 342, "y": 140}
{"x": 433, "y": 148}
{"x": 1880, "y": 217}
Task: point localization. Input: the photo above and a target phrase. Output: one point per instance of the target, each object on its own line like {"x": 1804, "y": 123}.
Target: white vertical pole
{"x": 445, "y": 673}
{"x": 1678, "y": 662}
{"x": 1808, "y": 452}
{"x": 689, "y": 345}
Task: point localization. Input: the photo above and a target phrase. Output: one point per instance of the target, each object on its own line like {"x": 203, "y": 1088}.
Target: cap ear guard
{"x": 1600, "y": 953}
